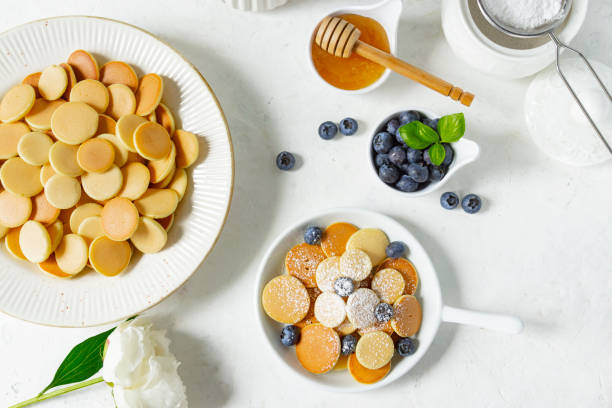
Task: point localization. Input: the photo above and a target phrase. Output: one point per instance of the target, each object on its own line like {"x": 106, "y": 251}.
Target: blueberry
{"x": 349, "y": 344}
{"x": 383, "y": 312}
{"x": 290, "y": 335}
{"x": 406, "y": 346}
{"x": 397, "y": 155}
{"x": 327, "y": 130}
{"x": 285, "y": 161}
{"x": 450, "y": 154}
{"x": 432, "y": 123}
{"x": 388, "y": 173}
{"x": 313, "y": 235}
{"x": 392, "y": 126}
{"x": 471, "y": 203}
{"x": 406, "y": 184}
{"x": 414, "y": 155}
{"x": 381, "y": 159}
{"x": 344, "y": 286}
{"x": 399, "y": 139}
{"x": 418, "y": 173}
{"x": 348, "y": 126}
{"x": 436, "y": 173}
{"x": 395, "y": 249}
{"x": 404, "y": 168}
{"x": 409, "y": 116}
{"x": 449, "y": 200}
{"x": 383, "y": 142}
{"x": 426, "y": 157}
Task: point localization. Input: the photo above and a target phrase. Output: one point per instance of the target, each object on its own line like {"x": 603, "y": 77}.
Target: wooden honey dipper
{"x": 341, "y": 38}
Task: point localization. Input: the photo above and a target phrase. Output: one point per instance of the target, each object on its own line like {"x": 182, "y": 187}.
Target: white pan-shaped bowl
{"x": 428, "y": 293}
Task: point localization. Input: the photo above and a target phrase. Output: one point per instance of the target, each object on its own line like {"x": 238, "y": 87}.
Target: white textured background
{"x": 542, "y": 248}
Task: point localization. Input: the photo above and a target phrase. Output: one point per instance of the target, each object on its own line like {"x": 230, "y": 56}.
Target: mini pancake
{"x": 96, "y": 155}
{"x": 153, "y": 118}
{"x": 56, "y": 232}
{"x": 164, "y": 117}
{"x": 109, "y": 257}
{"x": 149, "y": 94}
{"x": 50, "y": 266}
{"x": 373, "y": 241}
{"x": 74, "y": 122}
{"x": 10, "y": 134}
{"x": 121, "y": 153}
{"x": 39, "y": 117}
{"x": 187, "y": 148}
{"x": 135, "y": 180}
{"x": 152, "y": 141}
{"x": 16, "y": 103}
{"x": 21, "y": 178}
{"x": 84, "y": 65}
{"x": 91, "y": 228}
{"x": 3, "y": 231}
{"x": 374, "y": 350}
{"x": 379, "y": 326}
{"x": 42, "y": 210}
{"x": 364, "y": 375}
{"x": 329, "y": 309}
{"x": 166, "y": 180}
{"x": 134, "y": 157}
{"x": 32, "y": 80}
{"x": 327, "y": 272}
{"x": 63, "y": 159}
{"x": 12, "y": 243}
{"x": 15, "y": 210}
{"x": 388, "y": 284}
{"x": 122, "y": 101}
{"x": 62, "y": 191}
{"x": 126, "y": 125}
{"x": 71, "y": 80}
{"x": 360, "y": 308}
{"x": 335, "y": 237}
{"x": 82, "y": 212}
{"x": 52, "y": 82}
{"x": 34, "y": 241}
{"x": 407, "y": 270}
{"x": 345, "y": 328}
{"x": 160, "y": 169}
{"x": 310, "y": 318}
{"x": 91, "y": 92}
{"x": 166, "y": 222}
{"x": 302, "y": 262}
{"x": 355, "y": 264}
{"x": 157, "y": 203}
{"x": 118, "y": 72}
{"x": 71, "y": 254}
{"x": 407, "y": 316}
{"x": 342, "y": 363}
{"x": 120, "y": 220}
{"x": 150, "y": 237}
{"x": 64, "y": 217}
{"x": 102, "y": 186}
{"x": 179, "y": 183}
{"x": 106, "y": 124}
{"x": 34, "y": 148}
{"x": 285, "y": 299}
{"x": 318, "y": 349}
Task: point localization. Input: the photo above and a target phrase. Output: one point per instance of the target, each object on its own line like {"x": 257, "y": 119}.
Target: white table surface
{"x": 541, "y": 248}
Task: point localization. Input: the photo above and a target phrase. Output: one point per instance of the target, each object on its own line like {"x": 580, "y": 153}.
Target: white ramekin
{"x": 255, "y": 5}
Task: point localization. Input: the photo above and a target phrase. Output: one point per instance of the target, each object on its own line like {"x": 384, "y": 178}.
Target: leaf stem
{"x": 58, "y": 392}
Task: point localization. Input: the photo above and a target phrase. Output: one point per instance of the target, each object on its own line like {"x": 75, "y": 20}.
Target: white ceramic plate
{"x": 428, "y": 293}
{"x": 91, "y": 299}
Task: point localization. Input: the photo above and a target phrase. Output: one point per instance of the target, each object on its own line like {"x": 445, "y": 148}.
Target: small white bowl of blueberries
{"x": 417, "y": 151}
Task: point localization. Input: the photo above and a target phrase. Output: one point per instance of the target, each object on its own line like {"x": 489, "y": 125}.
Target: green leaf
{"x": 83, "y": 361}
{"x": 451, "y": 127}
{"x": 437, "y": 153}
{"x": 417, "y": 135}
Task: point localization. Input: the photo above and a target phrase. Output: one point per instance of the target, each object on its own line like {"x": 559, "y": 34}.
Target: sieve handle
{"x": 492, "y": 321}
{"x": 560, "y": 45}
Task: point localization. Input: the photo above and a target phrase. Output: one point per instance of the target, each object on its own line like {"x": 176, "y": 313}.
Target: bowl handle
{"x": 485, "y": 320}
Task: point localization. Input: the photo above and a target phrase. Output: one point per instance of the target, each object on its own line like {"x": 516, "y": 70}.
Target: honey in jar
{"x": 354, "y": 72}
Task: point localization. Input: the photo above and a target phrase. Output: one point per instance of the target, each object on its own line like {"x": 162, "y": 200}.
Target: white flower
{"x": 142, "y": 368}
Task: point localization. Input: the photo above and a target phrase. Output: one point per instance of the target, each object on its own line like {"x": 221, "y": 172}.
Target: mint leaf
{"x": 417, "y": 135}
{"x": 437, "y": 153}
{"x": 451, "y": 127}
{"x": 83, "y": 361}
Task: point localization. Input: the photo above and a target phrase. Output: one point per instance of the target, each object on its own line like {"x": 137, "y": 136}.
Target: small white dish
{"x": 387, "y": 13}
{"x": 428, "y": 293}
{"x": 466, "y": 151}
{"x": 255, "y": 5}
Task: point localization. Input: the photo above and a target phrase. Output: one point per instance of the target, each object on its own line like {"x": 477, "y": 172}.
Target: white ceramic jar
{"x": 255, "y": 5}
{"x": 480, "y": 45}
